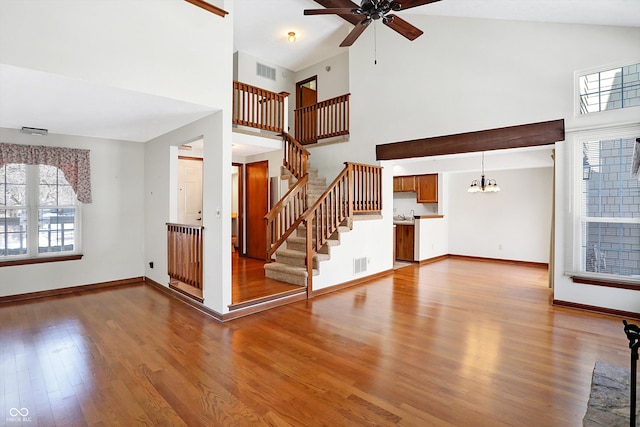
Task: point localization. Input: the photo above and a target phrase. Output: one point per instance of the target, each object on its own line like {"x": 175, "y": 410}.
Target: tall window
{"x": 606, "y": 237}
{"x": 610, "y": 89}
{"x": 39, "y": 215}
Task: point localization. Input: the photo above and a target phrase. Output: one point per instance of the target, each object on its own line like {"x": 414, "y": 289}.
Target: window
{"x": 606, "y": 219}
{"x": 39, "y": 214}
{"x": 610, "y": 89}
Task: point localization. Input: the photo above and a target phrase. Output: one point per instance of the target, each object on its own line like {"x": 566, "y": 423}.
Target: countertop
{"x": 412, "y": 221}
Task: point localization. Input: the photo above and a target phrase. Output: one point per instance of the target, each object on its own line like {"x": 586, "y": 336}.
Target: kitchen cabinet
{"x": 427, "y": 188}
{"x": 405, "y": 235}
{"x": 403, "y": 184}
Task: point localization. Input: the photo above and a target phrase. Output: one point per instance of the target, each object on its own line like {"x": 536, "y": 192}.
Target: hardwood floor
{"x": 453, "y": 343}
{"x": 249, "y": 283}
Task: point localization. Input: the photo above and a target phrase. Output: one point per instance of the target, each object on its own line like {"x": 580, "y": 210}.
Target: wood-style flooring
{"x": 453, "y": 343}
{"x": 249, "y": 283}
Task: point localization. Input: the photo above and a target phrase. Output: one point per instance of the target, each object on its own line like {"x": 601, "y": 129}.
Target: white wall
{"x": 160, "y": 180}
{"x": 469, "y": 74}
{"x": 513, "y": 224}
{"x": 331, "y": 82}
{"x": 147, "y": 46}
{"x": 465, "y": 75}
{"x": 112, "y": 226}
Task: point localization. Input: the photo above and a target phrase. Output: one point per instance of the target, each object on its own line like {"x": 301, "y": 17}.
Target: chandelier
{"x": 484, "y": 185}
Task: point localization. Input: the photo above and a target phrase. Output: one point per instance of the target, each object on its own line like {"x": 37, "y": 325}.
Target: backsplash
{"x": 404, "y": 203}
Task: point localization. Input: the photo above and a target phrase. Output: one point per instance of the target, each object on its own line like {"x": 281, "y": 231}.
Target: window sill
{"x": 40, "y": 260}
{"x": 605, "y": 282}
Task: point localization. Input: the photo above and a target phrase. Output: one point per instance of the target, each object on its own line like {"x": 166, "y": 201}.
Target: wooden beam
{"x": 209, "y": 7}
{"x": 529, "y": 135}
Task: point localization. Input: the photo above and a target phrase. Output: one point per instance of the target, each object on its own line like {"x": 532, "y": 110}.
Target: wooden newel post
{"x": 633, "y": 335}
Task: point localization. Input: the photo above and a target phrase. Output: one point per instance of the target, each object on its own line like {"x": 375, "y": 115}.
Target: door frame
{"x": 241, "y": 213}
{"x": 299, "y": 91}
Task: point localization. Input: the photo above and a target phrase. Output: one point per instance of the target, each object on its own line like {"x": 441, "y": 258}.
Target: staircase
{"x": 291, "y": 265}
{"x": 308, "y": 220}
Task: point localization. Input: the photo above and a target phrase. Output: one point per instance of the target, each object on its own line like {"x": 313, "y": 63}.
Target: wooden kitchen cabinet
{"x": 404, "y": 184}
{"x": 405, "y": 235}
{"x": 427, "y": 188}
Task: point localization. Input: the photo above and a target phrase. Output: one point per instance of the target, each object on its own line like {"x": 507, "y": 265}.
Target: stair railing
{"x": 287, "y": 211}
{"x": 296, "y": 157}
{"x": 282, "y": 217}
{"x": 259, "y": 108}
{"x": 357, "y": 189}
{"x": 326, "y": 119}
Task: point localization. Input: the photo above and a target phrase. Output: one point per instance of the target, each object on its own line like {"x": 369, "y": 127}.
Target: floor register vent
{"x": 359, "y": 265}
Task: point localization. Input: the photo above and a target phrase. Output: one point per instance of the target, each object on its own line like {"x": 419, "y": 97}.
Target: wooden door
{"x": 257, "y": 206}
{"x": 307, "y": 96}
{"x": 189, "y": 191}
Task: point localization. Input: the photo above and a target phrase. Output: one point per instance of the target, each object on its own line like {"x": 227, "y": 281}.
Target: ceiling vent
{"x": 265, "y": 71}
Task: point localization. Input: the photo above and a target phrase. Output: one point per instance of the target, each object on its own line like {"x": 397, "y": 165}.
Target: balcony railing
{"x": 326, "y": 119}
{"x": 259, "y": 108}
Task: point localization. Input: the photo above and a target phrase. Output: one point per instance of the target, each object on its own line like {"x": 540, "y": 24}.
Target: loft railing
{"x": 184, "y": 251}
{"x": 296, "y": 157}
{"x": 325, "y": 119}
{"x": 259, "y": 108}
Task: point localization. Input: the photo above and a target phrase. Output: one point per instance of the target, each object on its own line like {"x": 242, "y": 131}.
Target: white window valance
{"x": 74, "y": 163}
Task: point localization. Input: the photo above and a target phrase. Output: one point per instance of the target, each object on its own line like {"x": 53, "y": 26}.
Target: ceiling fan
{"x": 368, "y": 11}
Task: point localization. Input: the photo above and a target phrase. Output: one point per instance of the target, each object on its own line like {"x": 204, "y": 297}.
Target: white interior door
{"x": 190, "y": 191}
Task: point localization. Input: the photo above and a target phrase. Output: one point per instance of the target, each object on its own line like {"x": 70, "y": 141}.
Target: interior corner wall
{"x": 332, "y": 76}
{"x": 216, "y": 204}
{"x": 136, "y": 45}
{"x": 112, "y": 226}
{"x": 245, "y": 72}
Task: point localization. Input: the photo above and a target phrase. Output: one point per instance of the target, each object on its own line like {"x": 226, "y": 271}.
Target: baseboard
{"x": 183, "y": 298}
{"x": 505, "y": 261}
{"x": 348, "y": 284}
{"x": 257, "y": 308}
{"x": 434, "y": 259}
{"x": 69, "y": 290}
{"x": 596, "y": 309}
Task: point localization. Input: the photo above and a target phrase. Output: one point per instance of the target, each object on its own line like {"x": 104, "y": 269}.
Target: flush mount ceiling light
{"x": 34, "y": 131}
{"x": 291, "y": 37}
{"x": 484, "y": 185}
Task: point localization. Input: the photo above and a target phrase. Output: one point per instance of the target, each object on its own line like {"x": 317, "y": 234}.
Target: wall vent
{"x": 265, "y": 71}
{"x": 359, "y": 265}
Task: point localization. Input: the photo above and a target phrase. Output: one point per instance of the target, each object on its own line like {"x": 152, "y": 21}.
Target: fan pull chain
{"x": 375, "y": 43}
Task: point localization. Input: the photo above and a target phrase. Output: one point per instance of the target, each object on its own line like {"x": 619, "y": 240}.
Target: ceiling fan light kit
{"x": 372, "y": 10}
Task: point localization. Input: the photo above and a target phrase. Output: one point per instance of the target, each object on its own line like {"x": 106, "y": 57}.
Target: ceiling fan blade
{"x": 338, "y": 4}
{"x": 402, "y": 27}
{"x": 355, "y": 33}
{"x": 407, "y": 4}
{"x": 333, "y": 11}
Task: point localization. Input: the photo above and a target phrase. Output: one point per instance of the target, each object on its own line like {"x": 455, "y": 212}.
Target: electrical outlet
{"x": 151, "y": 264}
